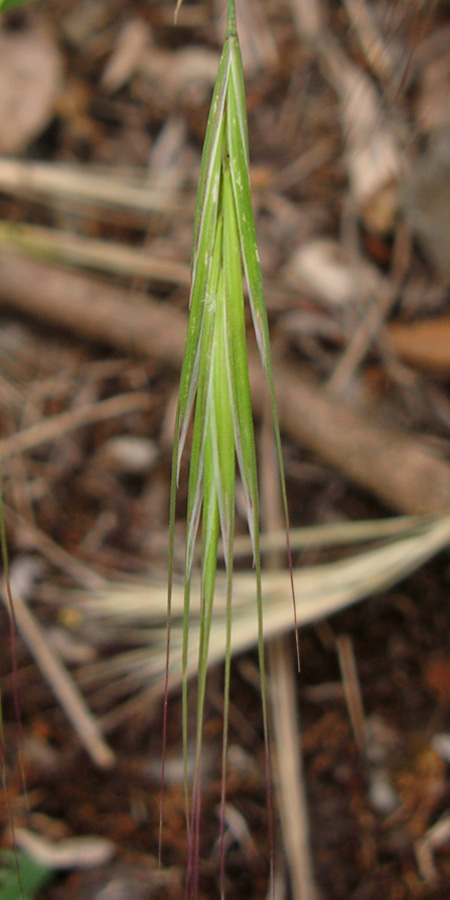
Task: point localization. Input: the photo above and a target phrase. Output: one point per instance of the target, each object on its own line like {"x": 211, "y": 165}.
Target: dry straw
{"x": 389, "y": 550}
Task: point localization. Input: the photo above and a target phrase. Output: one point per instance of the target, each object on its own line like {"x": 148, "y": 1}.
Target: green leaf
{"x": 10, "y": 4}
{"x": 21, "y": 878}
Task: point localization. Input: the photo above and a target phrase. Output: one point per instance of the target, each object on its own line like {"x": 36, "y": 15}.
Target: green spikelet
{"x": 215, "y": 392}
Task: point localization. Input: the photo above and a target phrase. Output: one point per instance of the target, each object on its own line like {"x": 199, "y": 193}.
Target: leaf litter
{"x": 81, "y": 517}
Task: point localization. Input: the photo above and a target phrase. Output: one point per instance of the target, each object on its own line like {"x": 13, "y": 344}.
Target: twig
{"x": 378, "y": 54}
{"x": 131, "y": 323}
{"x": 377, "y": 312}
{"x": 398, "y": 468}
{"x": 290, "y": 773}
{"x": 61, "y": 684}
{"x": 105, "y": 256}
{"x": 352, "y": 690}
{"x": 305, "y": 165}
{"x": 51, "y": 429}
{"x": 78, "y": 185}
{"x": 372, "y": 155}
{"x": 291, "y": 793}
{"x": 434, "y": 838}
{"x": 31, "y": 536}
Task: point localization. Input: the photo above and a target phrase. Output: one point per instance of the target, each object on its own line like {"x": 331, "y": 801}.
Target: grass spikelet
{"x": 215, "y": 392}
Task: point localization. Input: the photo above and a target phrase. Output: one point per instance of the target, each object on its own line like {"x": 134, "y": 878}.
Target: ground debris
{"x": 102, "y": 112}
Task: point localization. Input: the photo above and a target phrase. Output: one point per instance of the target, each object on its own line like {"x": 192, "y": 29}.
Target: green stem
{"x": 231, "y": 20}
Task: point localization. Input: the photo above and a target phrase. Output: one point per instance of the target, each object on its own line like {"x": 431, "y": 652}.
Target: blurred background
{"x": 103, "y": 108}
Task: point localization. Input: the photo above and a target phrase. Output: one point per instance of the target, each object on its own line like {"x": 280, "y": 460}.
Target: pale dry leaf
{"x": 134, "y": 39}
{"x": 128, "y": 454}
{"x": 68, "y": 853}
{"x": 191, "y": 72}
{"x": 372, "y": 155}
{"x": 30, "y": 78}
{"x": 320, "y": 269}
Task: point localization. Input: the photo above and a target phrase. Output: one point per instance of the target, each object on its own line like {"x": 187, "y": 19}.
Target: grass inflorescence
{"x": 215, "y": 394}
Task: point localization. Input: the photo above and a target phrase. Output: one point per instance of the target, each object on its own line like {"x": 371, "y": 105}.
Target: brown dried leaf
{"x": 424, "y": 344}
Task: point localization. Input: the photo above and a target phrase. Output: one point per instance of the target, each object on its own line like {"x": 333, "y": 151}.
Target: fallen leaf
{"x": 69, "y": 853}
{"x": 424, "y": 344}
